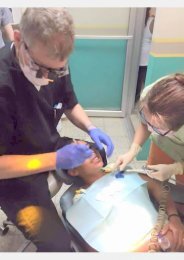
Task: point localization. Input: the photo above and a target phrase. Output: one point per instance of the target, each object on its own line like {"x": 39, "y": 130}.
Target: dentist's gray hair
{"x": 51, "y": 26}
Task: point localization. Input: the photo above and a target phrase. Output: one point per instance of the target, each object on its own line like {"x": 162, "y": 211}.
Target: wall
{"x": 167, "y": 51}
{"x": 100, "y": 21}
{"x": 97, "y": 71}
{"x": 17, "y": 13}
{"x": 97, "y": 65}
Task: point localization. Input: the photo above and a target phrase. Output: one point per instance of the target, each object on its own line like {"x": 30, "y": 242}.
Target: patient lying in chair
{"x": 113, "y": 212}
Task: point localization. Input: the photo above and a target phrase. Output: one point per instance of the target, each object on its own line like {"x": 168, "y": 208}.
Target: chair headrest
{"x": 63, "y": 175}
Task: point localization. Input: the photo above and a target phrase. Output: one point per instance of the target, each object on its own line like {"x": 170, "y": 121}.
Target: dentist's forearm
{"x": 12, "y": 166}
{"x": 78, "y": 117}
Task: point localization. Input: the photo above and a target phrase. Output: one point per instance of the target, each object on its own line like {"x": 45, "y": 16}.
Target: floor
{"x": 116, "y": 128}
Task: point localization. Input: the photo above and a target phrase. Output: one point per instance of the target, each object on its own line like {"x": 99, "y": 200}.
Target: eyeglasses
{"x": 52, "y": 73}
{"x": 155, "y": 129}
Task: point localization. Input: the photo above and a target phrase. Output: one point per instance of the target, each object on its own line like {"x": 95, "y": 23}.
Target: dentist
{"x": 35, "y": 90}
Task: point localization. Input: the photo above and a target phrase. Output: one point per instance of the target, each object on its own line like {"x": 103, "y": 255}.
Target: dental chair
{"x": 78, "y": 244}
{"x": 54, "y": 183}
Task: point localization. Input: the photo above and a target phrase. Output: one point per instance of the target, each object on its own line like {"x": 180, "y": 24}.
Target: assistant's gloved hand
{"x": 72, "y": 155}
{"x": 124, "y": 159}
{"x": 99, "y": 137}
{"x": 165, "y": 171}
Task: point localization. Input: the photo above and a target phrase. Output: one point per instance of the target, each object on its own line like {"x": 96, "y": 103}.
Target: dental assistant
{"x": 162, "y": 118}
{"x": 35, "y": 90}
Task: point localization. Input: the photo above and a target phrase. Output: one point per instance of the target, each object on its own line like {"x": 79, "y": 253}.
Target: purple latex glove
{"x": 99, "y": 137}
{"x": 72, "y": 155}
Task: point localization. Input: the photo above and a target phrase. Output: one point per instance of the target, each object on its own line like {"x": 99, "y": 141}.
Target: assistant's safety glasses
{"x": 41, "y": 70}
{"x": 155, "y": 129}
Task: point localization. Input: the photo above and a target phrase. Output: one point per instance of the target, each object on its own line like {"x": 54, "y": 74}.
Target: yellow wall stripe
{"x": 168, "y": 40}
{"x": 101, "y": 26}
{"x": 167, "y": 54}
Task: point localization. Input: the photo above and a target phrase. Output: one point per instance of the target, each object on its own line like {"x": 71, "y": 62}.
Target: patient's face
{"x": 91, "y": 166}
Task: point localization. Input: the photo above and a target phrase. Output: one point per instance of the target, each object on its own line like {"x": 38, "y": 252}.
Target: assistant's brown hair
{"x": 166, "y": 98}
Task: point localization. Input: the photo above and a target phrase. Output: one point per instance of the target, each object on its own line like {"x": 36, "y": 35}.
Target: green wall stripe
{"x": 97, "y": 71}
{"x": 159, "y": 67}
{"x": 143, "y": 154}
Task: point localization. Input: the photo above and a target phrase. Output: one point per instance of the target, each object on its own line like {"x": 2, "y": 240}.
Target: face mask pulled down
{"x": 30, "y": 69}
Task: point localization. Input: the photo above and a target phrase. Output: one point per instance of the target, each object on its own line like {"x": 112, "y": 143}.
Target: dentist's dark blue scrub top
{"x": 28, "y": 118}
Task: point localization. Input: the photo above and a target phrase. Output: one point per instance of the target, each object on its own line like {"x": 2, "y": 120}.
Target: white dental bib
{"x": 114, "y": 213}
